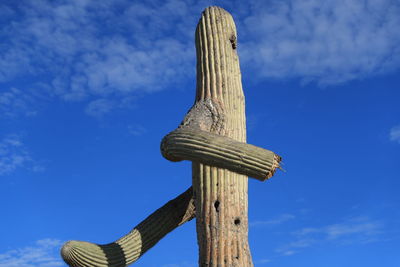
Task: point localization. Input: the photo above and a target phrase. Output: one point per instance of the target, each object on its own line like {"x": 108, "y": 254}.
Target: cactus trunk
{"x": 220, "y": 195}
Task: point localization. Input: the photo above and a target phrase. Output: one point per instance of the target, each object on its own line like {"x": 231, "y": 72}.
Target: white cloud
{"x": 277, "y": 220}
{"x": 85, "y": 50}
{"x": 262, "y": 261}
{"x": 136, "y": 130}
{"x": 183, "y": 264}
{"x": 364, "y": 227}
{"x": 294, "y": 246}
{"x": 395, "y": 134}
{"x": 99, "y": 107}
{"x": 44, "y": 253}
{"x": 328, "y": 42}
{"x": 102, "y": 106}
{"x": 14, "y": 155}
{"x": 357, "y": 230}
{"x": 14, "y": 102}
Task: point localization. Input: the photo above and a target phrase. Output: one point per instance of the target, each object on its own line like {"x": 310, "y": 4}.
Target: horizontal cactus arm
{"x": 219, "y": 151}
{"x": 130, "y": 247}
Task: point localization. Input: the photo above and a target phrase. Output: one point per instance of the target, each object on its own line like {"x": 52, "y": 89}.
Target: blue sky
{"x": 89, "y": 88}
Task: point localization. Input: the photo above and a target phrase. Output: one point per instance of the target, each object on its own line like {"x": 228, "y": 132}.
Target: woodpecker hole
{"x": 237, "y": 221}
{"x": 232, "y": 39}
{"x": 216, "y": 205}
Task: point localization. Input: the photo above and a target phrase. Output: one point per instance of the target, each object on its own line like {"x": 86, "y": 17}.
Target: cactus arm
{"x": 219, "y": 151}
{"x": 130, "y": 247}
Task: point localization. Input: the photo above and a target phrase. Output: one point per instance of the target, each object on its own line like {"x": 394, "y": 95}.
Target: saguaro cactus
{"x": 220, "y": 195}
{"x": 213, "y": 137}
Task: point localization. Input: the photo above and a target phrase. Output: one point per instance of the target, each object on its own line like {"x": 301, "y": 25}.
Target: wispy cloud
{"x": 394, "y": 134}
{"x": 86, "y": 51}
{"x": 182, "y": 264}
{"x": 44, "y": 253}
{"x": 99, "y": 107}
{"x": 262, "y": 261}
{"x": 14, "y": 155}
{"x": 293, "y": 247}
{"x": 274, "y": 221}
{"x": 136, "y": 130}
{"x": 14, "y": 102}
{"x": 357, "y": 230}
{"x": 364, "y": 228}
{"x": 80, "y": 49}
{"x": 328, "y": 42}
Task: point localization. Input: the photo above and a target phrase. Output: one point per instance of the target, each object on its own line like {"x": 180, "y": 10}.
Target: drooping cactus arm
{"x": 130, "y": 247}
